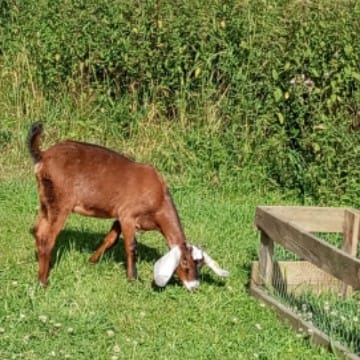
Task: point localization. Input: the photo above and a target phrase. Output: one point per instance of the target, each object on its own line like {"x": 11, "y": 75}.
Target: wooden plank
{"x": 350, "y": 240}
{"x": 297, "y": 277}
{"x": 351, "y": 233}
{"x": 311, "y": 219}
{"x": 315, "y": 335}
{"x": 356, "y": 230}
{"x": 266, "y": 259}
{"x": 308, "y": 247}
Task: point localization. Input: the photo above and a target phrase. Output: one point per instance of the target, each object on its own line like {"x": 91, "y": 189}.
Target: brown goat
{"x": 94, "y": 181}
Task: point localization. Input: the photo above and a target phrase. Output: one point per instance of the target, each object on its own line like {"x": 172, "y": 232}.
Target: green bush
{"x": 266, "y": 85}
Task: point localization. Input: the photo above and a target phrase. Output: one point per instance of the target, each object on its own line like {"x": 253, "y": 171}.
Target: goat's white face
{"x": 191, "y": 285}
{"x": 187, "y": 262}
{"x": 198, "y": 258}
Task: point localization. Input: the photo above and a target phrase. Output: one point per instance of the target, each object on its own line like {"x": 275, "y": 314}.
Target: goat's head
{"x": 187, "y": 261}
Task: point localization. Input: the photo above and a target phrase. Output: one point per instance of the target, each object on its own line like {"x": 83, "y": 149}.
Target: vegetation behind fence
{"x": 269, "y": 88}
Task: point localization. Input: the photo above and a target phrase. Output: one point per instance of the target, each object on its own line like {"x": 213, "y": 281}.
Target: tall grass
{"x": 271, "y": 86}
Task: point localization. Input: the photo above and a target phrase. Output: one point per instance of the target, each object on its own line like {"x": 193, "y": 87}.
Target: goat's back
{"x": 100, "y": 182}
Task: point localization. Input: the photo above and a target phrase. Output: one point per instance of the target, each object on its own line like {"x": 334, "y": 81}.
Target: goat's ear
{"x": 166, "y": 266}
{"x": 214, "y": 266}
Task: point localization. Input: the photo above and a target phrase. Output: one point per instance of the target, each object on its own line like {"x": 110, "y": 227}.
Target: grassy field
{"x": 92, "y": 312}
{"x": 237, "y": 103}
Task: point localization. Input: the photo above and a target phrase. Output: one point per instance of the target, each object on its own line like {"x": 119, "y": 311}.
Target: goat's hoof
{"x": 93, "y": 260}
{"x": 132, "y": 278}
{"x": 43, "y": 284}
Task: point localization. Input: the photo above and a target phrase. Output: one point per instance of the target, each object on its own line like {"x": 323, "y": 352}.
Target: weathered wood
{"x": 302, "y": 326}
{"x": 311, "y": 219}
{"x": 350, "y": 240}
{"x": 266, "y": 259}
{"x": 351, "y": 232}
{"x": 309, "y": 247}
{"x": 291, "y": 227}
{"x": 297, "y": 277}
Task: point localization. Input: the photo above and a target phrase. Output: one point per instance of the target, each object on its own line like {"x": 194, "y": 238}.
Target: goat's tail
{"x": 33, "y": 141}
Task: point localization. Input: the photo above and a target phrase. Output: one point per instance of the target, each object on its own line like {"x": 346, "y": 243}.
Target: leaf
{"x": 274, "y": 74}
{"x": 355, "y": 75}
{"x": 314, "y": 72}
{"x": 287, "y": 66}
{"x": 280, "y": 118}
{"x": 278, "y": 94}
{"x": 348, "y": 50}
{"x": 197, "y": 72}
{"x": 244, "y": 45}
{"x": 320, "y": 127}
{"x": 316, "y": 148}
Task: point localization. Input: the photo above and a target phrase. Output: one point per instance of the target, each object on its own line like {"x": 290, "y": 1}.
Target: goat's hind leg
{"x": 110, "y": 239}
{"x": 130, "y": 244}
{"x": 46, "y": 232}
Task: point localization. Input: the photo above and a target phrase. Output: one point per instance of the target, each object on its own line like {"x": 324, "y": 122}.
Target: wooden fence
{"x": 322, "y": 266}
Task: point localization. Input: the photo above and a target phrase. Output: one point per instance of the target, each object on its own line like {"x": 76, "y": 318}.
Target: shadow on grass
{"x": 205, "y": 278}
{"x": 213, "y": 280}
{"x": 88, "y": 242}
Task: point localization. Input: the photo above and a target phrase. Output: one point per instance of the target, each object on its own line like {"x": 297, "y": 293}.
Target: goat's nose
{"x": 191, "y": 285}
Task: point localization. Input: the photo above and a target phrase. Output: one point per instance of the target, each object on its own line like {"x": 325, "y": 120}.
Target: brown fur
{"x": 94, "y": 181}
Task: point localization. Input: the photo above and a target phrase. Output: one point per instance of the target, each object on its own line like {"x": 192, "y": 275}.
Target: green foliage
{"x": 228, "y": 99}
{"x": 316, "y": 121}
{"x": 272, "y": 86}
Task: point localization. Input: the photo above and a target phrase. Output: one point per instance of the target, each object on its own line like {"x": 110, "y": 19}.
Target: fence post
{"x": 266, "y": 259}
{"x": 350, "y": 240}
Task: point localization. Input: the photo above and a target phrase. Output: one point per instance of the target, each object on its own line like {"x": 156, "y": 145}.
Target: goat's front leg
{"x": 110, "y": 239}
{"x": 128, "y": 229}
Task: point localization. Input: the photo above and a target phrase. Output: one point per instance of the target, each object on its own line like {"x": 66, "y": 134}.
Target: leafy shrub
{"x": 272, "y": 85}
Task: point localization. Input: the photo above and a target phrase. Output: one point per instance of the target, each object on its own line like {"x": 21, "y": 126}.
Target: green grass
{"x": 330, "y": 313}
{"x": 92, "y": 312}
